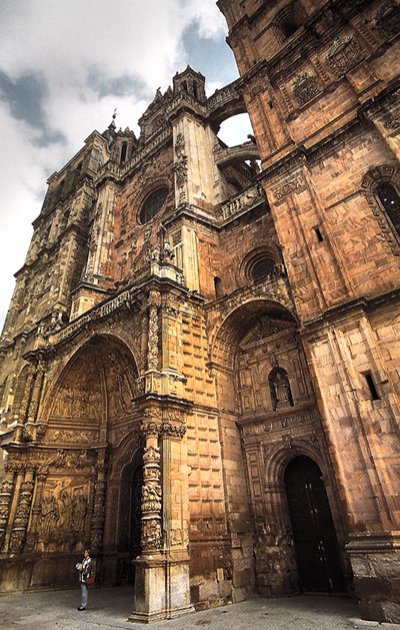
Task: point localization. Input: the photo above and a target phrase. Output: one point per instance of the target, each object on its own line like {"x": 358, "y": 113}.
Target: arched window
{"x": 279, "y": 385}
{"x": 219, "y": 290}
{"x": 389, "y": 198}
{"x": 124, "y": 149}
{"x": 153, "y": 204}
{"x": 289, "y": 19}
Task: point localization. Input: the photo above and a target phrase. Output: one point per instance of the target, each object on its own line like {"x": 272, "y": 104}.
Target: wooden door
{"x": 314, "y": 534}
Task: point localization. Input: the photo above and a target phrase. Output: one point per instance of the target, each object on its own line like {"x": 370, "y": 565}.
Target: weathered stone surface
{"x": 188, "y": 325}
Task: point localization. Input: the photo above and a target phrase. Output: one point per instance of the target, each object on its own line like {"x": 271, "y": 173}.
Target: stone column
{"x": 18, "y": 534}
{"x": 97, "y": 521}
{"x": 5, "y": 503}
{"x": 149, "y": 596}
{"x": 162, "y": 576}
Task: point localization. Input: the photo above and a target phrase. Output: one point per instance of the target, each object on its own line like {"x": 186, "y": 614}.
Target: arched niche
{"x": 95, "y": 389}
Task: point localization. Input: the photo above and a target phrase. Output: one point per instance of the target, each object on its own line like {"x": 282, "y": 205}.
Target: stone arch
{"x": 277, "y": 462}
{"x": 389, "y": 173}
{"x": 225, "y": 103}
{"x": 238, "y": 322}
{"x": 95, "y": 385}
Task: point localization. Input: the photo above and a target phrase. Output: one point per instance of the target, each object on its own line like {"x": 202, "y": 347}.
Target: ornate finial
{"x": 112, "y": 123}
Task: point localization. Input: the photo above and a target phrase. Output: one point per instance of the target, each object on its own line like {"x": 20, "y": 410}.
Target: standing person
{"x": 85, "y": 569}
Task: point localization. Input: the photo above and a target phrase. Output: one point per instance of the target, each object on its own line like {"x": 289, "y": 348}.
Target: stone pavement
{"x": 110, "y": 607}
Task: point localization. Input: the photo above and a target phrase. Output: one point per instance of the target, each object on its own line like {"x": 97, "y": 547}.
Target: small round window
{"x": 153, "y": 204}
{"x": 261, "y": 269}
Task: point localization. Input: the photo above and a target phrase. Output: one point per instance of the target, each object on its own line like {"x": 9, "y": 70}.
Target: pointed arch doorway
{"x": 314, "y": 534}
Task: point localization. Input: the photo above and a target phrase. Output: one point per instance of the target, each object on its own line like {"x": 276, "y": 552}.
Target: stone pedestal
{"x": 161, "y": 589}
{"x": 375, "y": 560}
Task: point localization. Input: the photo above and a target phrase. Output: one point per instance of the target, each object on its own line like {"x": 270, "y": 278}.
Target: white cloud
{"x": 73, "y": 47}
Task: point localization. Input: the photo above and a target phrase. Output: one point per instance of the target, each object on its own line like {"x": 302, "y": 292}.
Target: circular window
{"x": 153, "y": 204}
{"x": 261, "y": 268}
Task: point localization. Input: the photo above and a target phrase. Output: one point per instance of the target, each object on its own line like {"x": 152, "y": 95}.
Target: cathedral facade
{"x": 200, "y": 364}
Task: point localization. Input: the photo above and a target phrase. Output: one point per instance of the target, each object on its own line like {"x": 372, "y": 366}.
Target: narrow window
{"x": 390, "y": 200}
{"x": 371, "y": 386}
{"x": 124, "y": 149}
{"x": 319, "y": 234}
{"x": 219, "y": 292}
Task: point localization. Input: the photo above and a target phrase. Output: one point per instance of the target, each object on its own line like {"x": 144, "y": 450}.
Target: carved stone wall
{"x": 189, "y": 321}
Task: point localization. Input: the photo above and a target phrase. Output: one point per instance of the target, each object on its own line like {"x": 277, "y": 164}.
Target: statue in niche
{"x": 279, "y": 384}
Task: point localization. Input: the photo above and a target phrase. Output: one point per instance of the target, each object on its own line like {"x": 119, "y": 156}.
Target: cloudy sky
{"x": 64, "y": 66}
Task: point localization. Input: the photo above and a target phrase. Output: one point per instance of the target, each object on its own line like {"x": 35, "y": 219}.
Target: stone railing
{"x": 97, "y": 313}
{"x": 242, "y": 202}
{"x": 245, "y": 151}
{"x": 223, "y": 96}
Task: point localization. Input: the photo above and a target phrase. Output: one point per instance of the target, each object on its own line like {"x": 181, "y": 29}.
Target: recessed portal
{"x": 314, "y": 534}
{"x": 130, "y": 518}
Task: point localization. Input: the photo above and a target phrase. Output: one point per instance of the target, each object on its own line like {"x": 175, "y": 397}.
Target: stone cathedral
{"x": 200, "y": 365}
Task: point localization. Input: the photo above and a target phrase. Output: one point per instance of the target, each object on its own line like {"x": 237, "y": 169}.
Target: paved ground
{"x": 110, "y": 607}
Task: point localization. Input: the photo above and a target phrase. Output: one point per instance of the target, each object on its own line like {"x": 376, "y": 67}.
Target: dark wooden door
{"x": 129, "y": 522}
{"x": 314, "y": 534}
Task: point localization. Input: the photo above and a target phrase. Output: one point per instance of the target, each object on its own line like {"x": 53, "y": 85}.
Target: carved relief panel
{"x": 62, "y": 516}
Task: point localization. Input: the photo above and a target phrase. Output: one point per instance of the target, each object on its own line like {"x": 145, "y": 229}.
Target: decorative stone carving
{"x": 172, "y": 430}
{"x": 21, "y": 516}
{"x": 344, "y": 54}
{"x": 180, "y": 145}
{"x": 180, "y": 169}
{"x": 306, "y": 87}
{"x": 5, "y": 500}
{"x": 152, "y": 347}
{"x": 151, "y": 499}
{"x": 244, "y": 201}
{"x": 97, "y": 524}
{"x": 71, "y": 460}
{"x": 294, "y": 184}
{"x": 62, "y": 516}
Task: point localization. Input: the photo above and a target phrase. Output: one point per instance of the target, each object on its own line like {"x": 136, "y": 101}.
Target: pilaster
{"x": 162, "y": 570}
